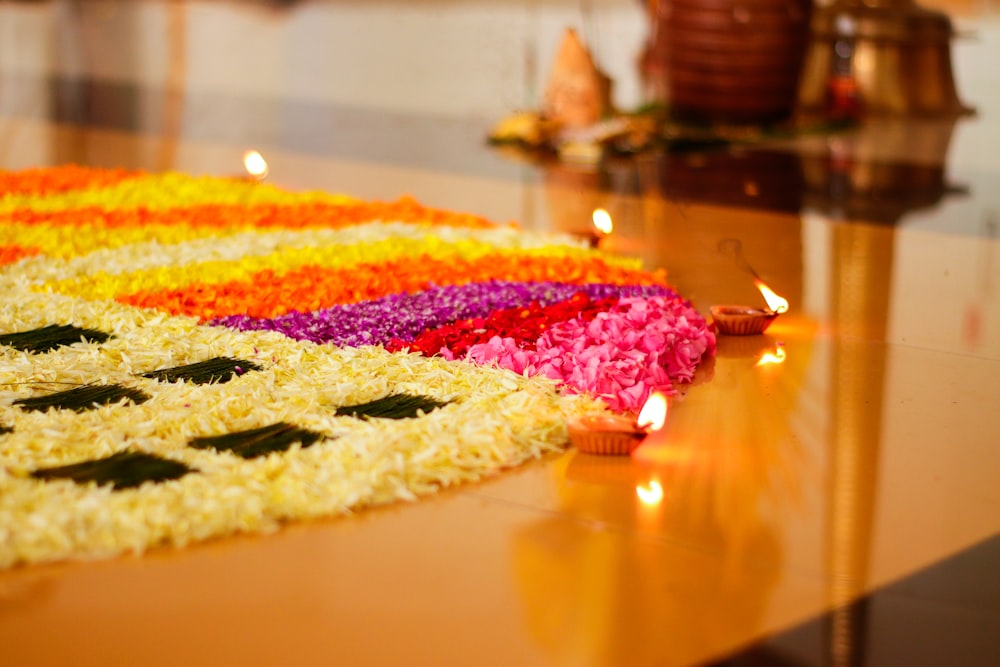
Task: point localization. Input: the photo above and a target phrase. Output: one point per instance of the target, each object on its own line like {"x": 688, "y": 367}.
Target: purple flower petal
{"x": 404, "y": 316}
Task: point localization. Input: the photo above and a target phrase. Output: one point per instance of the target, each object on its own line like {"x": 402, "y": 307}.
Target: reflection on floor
{"x": 945, "y": 615}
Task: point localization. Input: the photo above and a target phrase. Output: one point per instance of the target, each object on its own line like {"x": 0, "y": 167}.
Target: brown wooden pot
{"x": 733, "y": 61}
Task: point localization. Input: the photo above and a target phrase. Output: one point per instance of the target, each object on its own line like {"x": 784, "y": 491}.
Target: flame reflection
{"x": 776, "y": 357}
{"x": 650, "y": 494}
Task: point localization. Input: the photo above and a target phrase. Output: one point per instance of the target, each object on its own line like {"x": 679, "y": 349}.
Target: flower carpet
{"x": 187, "y": 357}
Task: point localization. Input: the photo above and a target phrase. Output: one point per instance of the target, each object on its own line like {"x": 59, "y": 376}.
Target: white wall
{"x": 444, "y": 57}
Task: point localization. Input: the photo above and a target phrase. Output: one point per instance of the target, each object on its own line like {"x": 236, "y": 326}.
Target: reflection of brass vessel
{"x": 758, "y": 179}
{"x": 896, "y": 55}
{"x": 881, "y": 170}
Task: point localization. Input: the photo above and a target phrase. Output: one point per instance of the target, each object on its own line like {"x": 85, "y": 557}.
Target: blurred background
{"x": 414, "y": 78}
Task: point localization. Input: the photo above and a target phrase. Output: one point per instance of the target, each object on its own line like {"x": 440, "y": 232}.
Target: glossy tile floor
{"x": 839, "y": 508}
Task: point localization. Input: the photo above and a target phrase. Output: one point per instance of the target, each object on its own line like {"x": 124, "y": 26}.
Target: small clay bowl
{"x": 742, "y": 320}
{"x": 605, "y": 435}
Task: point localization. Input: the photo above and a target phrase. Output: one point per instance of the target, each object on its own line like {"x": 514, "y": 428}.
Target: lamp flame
{"x": 776, "y": 303}
{"x": 255, "y": 164}
{"x": 602, "y": 221}
{"x": 776, "y": 357}
{"x": 654, "y": 412}
{"x": 650, "y": 494}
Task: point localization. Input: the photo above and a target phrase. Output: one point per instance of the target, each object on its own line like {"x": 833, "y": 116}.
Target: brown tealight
{"x": 606, "y": 435}
{"x": 742, "y": 320}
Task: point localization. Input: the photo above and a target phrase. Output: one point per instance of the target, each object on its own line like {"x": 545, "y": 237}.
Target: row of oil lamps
{"x": 621, "y": 435}
{"x": 615, "y": 434}
{"x": 730, "y": 320}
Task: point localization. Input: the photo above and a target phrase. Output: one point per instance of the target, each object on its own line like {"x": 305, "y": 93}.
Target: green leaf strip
{"x": 393, "y": 406}
{"x": 258, "y": 441}
{"x": 48, "y": 338}
{"x": 81, "y": 399}
{"x": 218, "y": 369}
{"x": 124, "y": 470}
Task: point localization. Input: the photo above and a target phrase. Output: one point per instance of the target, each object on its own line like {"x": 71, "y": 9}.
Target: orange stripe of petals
{"x": 65, "y": 178}
{"x": 15, "y": 253}
{"x": 309, "y": 288}
{"x": 267, "y": 215}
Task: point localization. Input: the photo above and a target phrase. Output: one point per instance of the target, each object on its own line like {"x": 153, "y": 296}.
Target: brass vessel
{"x": 892, "y": 56}
{"x": 732, "y": 61}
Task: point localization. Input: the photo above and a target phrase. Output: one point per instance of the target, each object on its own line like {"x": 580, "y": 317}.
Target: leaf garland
{"x": 217, "y": 369}
{"x": 50, "y": 337}
{"x": 257, "y": 442}
{"x": 124, "y": 470}
{"x": 393, "y": 406}
{"x": 81, "y": 399}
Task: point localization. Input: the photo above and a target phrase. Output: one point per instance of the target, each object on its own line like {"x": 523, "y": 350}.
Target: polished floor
{"x": 838, "y": 506}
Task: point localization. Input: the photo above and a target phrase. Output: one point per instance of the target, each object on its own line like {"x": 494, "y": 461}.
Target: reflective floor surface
{"x": 827, "y": 493}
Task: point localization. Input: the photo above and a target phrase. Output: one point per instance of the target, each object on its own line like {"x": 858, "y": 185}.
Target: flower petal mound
{"x": 187, "y": 357}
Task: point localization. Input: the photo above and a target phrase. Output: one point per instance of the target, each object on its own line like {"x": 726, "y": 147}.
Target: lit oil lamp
{"x": 614, "y": 435}
{"x": 746, "y": 320}
{"x": 600, "y": 229}
{"x": 255, "y": 165}
{"x": 603, "y": 225}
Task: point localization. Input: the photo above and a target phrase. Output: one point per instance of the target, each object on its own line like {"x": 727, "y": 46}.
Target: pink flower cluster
{"x": 622, "y": 355}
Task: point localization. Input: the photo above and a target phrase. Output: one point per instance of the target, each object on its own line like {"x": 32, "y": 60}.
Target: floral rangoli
{"x": 187, "y": 357}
